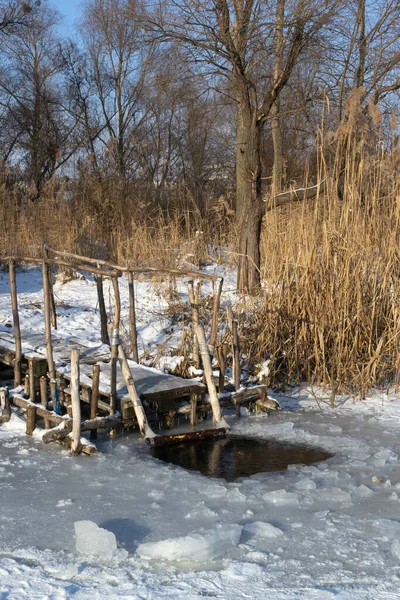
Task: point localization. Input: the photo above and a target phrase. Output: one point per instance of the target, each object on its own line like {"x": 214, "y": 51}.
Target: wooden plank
{"x": 178, "y": 438}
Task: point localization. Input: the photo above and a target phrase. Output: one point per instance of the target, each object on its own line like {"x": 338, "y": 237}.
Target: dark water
{"x": 235, "y": 457}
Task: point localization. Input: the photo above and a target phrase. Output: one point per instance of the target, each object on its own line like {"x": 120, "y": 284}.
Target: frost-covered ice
{"x": 96, "y": 541}
{"x": 263, "y": 529}
{"x": 198, "y": 546}
{"x": 327, "y": 531}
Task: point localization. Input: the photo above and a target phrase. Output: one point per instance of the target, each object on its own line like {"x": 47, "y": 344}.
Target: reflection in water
{"x": 235, "y": 457}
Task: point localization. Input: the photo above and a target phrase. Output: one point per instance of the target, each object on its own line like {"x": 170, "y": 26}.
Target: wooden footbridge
{"x": 77, "y": 386}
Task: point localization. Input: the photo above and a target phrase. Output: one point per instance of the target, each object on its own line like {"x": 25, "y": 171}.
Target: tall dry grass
{"x": 331, "y": 266}
{"x": 331, "y": 313}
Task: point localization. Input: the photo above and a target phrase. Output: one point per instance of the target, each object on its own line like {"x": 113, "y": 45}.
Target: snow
{"x": 338, "y": 520}
{"x": 198, "y": 546}
{"x": 96, "y": 541}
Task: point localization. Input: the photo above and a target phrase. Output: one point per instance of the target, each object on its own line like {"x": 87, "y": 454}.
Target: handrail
{"x": 143, "y": 269}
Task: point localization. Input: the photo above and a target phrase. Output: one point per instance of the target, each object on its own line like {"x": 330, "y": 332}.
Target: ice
{"x": 200, "y": 546}
{"x": 363, "y": 491}
{"x": 386, "y": 454}
{"x": 306, "y": 484}
{"x": 96, "y": 541}
{"x": 396, "y": 548}
{"x": 281, "y": 498}
{"x": 263, "y": 529}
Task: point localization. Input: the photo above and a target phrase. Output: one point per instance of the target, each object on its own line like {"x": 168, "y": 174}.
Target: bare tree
{"x": 31, "y": 96}
{"x": 235, "y": 38}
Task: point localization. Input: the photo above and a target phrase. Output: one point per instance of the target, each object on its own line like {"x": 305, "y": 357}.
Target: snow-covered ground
{"x": 326, "y": 531}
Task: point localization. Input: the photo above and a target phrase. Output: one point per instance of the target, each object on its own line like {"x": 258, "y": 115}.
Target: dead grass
{"x": 331, "y": 314}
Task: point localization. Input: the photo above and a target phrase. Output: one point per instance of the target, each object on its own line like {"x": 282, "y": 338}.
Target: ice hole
{"x": 235, "y": 457}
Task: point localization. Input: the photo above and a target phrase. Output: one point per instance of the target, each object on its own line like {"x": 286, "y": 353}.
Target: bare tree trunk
{"x": 362, "y": 43}
{"x": 250, "y": 215}
{"x": 275, "y": 109}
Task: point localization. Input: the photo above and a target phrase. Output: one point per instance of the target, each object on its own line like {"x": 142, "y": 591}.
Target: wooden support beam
{"x": 256, "y": 394}
{"x": 193, "y": 408}
{"x": 94, "y": 399}
{"x": 102, "y": 309}
{"x": 215, "y": 315}
{"x": 222, "y": 353}
{"x": 30, "y": 419}
{"x": 32, "y": 394}
{"x": 16, "y": 325}
{"x": 43, "y": 399}
{"x": 47, "y": 325}
{"x": 115, "y": 343}
{"x": 76, "y": 403}
{"x": 203, "y": 347}
{"x": 189, "y": 436}
{"x": 144, "y": 426}
{"x": 132, "y": 318}
{"x": 235, "y": 355}
{"x": 41, "y": 411}
{"x": 5, "y": 410}
{"x": 52, "y": 302}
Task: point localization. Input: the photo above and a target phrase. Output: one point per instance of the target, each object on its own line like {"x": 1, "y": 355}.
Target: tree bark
{"x": 277, "y": 170}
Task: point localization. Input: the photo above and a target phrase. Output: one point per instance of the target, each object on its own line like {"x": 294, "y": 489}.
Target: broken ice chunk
{"x": 96, "y": 541}
{"x": 199, "y": 546}
{"x": 263, "y": 529}
{"x": 281, "y": 497}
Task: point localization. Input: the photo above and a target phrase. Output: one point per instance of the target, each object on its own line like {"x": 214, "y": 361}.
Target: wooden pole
{"x": 47, "y": 324}
{"x": 144, "y": 426}
{"x": 114, "y": 347}
{"x": 52, "y": 303}
{"x": 31, "y": 381}
{"x": 193, "y": 408}
{"x": 195, "y": 319}
{"x": 215, "y": 316}
{"x": 30, "y": 419}
{"x": 43, "y": 399}
{"x": 102, "y": 308}
{"x": 132, "y": 318}
{"x": 94, "y": 397}
{"x": 76, "y": 403}
{"x": 5, "y": 414}
{"x": 203, "y": 348}
{"x": 17, "y": 330}
{"x": 222, "y": 353}
{"x": 236, "y": 355}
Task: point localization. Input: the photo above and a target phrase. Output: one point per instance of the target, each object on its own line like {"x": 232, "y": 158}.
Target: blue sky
{"x": 70, "y": 11}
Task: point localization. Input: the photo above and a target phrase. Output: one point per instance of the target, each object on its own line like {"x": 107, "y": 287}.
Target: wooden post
{"x": 222, "y": 353}
{"x": 193, "y": 408}
{"x": 141, "y": 417}
{"x": 94, "y": 397}
{"x": 26, "y": 385}
{"x": 195, "y": 318}
{"x": 31, "y": 381}
{"x": 76, "y": 403}
{"x": 236, "y": 355}
{"x": 102, "y": 308}
{"x": 47, "y": 325}
{"x": 43, "y": 399}
{"x": 114, "y": 348}
{"x": 5, "y": 414}
{"x": 51, "y": 298}
{"x": 203, "y": 348}
{"x": 30, "y": 419}
{"x": 215, "y": 316}
{"x": 17, "y": 330}
{"x": 132, "y": 318}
